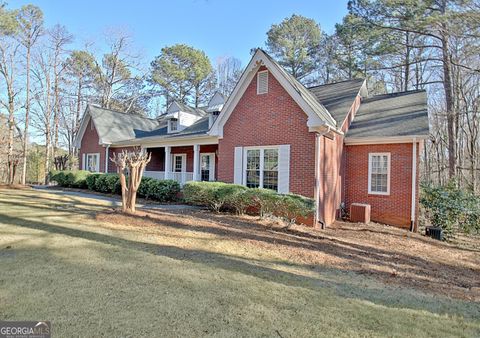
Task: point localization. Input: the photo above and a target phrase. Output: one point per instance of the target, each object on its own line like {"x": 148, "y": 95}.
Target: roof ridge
{"x": 412, "y": 91}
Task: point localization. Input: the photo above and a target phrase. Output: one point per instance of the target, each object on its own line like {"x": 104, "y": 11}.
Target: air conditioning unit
{"x": 434, "y": 232}
{"x": 360, "y": 213}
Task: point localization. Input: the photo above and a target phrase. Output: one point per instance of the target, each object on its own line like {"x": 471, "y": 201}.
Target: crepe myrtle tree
{"x": 130, "y": 167}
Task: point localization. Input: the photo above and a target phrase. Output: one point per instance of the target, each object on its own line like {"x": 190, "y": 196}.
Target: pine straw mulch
{"x": 15, "y": 186}
{"x": 393, "y": 256}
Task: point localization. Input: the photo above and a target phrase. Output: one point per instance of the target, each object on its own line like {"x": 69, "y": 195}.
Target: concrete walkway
{"x": 115, "y": 201}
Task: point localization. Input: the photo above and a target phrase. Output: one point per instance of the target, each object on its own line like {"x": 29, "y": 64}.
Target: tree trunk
{"x": 11, "y": 126}
{"x": 27, "y": 116}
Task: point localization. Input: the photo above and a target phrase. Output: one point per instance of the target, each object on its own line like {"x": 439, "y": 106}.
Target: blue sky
{"x": 220, "y": 28}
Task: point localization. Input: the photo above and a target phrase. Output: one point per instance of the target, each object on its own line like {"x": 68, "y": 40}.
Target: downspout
{"x": 317, "y": 177}
{"x": 414, "y": 184}
{"x": 106, "y": 157}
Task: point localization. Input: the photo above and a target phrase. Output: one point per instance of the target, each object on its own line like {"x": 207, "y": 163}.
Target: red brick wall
{"x": 157, "y": 163}
{"x": 395, "y": 208}
{"x": 270, "y": 119}
{"x": 330, "y": 178}
{"x": 89, "y": 145}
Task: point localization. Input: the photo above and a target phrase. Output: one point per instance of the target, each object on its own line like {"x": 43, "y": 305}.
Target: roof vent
{"x": 262, "y": 82}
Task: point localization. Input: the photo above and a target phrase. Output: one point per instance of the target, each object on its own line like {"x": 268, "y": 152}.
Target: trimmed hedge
{"x": 219, "y": 196}
{"x": 150, "y": 188}
{"x": 70, "y": 178}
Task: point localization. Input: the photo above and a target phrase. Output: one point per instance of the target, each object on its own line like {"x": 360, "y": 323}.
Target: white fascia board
{"x": 160, "y": 142}
{"x": 383, "y": 140}
{"x": 258, "y": 60}
{"x": 83, "y": 126}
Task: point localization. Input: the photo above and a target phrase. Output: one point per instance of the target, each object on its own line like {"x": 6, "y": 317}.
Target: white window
{"x": 262, "y": 82}
{"x": 379, "y": 173}
{"x": 207, "y": 167}
{"x": 179, "y": 163}
{"x": 172, "y": 125}
{"x": 261, "y": 168}
{"x": 92, "y": 162}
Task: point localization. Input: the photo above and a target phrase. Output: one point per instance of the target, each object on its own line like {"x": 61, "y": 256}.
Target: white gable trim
{"x": 258, "y": 60}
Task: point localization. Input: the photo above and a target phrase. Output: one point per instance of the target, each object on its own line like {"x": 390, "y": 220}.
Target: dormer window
{"x": 172, "y": 125}
{"x": 262, "y": 82}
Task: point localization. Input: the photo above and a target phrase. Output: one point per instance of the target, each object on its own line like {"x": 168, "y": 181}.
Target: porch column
{"x": 196, "y": 162}
{"x": 168, "y": 164}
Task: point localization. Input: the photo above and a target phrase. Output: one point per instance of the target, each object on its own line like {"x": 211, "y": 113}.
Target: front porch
{"x": 183, "y": 163}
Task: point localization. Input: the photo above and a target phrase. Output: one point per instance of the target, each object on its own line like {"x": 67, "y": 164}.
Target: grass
{"x": 63, "y": 259}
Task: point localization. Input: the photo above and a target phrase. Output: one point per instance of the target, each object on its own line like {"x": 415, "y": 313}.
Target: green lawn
{"x": 92, "y": 278}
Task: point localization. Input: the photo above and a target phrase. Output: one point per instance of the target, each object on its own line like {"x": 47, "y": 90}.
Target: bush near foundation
{"x": 150, "y": 188}
{"x": 219, "y": 196}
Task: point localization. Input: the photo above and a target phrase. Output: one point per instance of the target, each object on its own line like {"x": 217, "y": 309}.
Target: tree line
{"x": 397, "y": 45}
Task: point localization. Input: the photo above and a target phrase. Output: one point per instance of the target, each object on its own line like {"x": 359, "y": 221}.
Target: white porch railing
{"x": 180, "y": 177}
{"x": 159, "y": 175}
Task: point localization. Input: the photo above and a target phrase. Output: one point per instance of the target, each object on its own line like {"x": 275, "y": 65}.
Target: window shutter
{"x": 262, "y": 82}
{"x": 238, "y": 165}
{"x": 284, "y": 169}
{"x": 83, "y": 162}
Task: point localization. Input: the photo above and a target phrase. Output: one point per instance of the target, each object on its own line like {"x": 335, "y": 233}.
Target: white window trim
{"x": 97, "y": 169}
{"x": 184, "y": 162}
{"x": 262, "y": 149}
{"x": 258, "y": 82}
{"x": 169, "y": 127}
{"x": 212, "y": 165}
{"x": 389, "y": 165}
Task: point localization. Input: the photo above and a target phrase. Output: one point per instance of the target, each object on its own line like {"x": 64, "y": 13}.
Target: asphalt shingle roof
{"x": 337, "y": 97}
{"x": 114, "y": 126}
{"x": 390, "y": 115}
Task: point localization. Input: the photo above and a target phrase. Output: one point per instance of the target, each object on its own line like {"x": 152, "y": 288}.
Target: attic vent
{"x": 262, "y": 82}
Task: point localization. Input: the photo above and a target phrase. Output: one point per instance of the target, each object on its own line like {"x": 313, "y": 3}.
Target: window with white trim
{"x": 172, "y": 125}
{"x": 92, "y": 162}
{"x": 261, "y": 168}
{"x": 379, "y": 173}
{"x": 262, "y": 82}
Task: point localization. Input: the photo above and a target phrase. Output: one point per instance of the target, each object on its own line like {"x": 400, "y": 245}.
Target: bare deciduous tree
{"x": 130, "y": 167}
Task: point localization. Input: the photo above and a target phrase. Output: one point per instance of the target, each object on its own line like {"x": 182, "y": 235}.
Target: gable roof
{"x": 318, "y": 115}
{"x": 199, "y": 127}
{"x": 113, "y": 126}
{"x": 177, "y": 106}
{"x": 392, "y": 115}
{"x": 338, "y": 97}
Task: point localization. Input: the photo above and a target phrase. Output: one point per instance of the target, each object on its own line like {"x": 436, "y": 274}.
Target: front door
{"x": 207, "y": 167}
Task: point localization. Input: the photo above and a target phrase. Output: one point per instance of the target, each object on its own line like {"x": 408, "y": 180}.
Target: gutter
{"x": 317, "y": 178}
{"x": 414, "y": 184}
{"x": 107, "y": 147}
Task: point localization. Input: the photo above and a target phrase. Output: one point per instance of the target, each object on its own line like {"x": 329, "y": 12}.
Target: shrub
{"x": 76, "y": 179}
{"x": 91, "y": 180}
{"x": 108, "y": 183}
{"x": 144, "y": 187}
{"x": 449, "y": 207}
{"x": 58, "y": 176}
{"x": 217, "y": 196}
{"x": 70, "y": 178}
{"x": 205, "y": 194}
{"x": 163, "y": 190}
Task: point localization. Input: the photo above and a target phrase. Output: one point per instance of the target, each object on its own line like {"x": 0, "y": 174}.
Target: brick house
{"x": 333, "y": 142}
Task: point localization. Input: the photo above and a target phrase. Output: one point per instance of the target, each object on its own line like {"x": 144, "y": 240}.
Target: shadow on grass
{"x": 348, "y": 287}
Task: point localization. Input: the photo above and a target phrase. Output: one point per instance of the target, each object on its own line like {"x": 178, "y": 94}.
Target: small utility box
{"x": 360, "y": 213}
